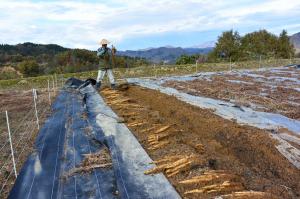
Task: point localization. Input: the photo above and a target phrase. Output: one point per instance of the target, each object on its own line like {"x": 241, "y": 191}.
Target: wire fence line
{"x": 18, "y": 158}
{"x": 4, "y": 145}
{"x": 25, "y": 132}
{"x": 26, "y": 111}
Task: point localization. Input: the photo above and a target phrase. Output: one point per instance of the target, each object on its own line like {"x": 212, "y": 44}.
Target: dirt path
{"x": 202, "y": 154}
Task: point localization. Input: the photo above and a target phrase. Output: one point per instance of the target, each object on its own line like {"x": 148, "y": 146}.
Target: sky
{"x": 141, "y": 24}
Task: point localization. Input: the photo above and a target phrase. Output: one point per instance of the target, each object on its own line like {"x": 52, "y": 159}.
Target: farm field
{"x": 149, "y": 99}
{"x": 203, "y": 153}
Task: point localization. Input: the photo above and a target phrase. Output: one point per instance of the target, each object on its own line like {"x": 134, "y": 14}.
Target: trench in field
{"x": 202, "y": 154}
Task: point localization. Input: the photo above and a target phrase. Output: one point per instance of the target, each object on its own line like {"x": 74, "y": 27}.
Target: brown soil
{"x": 204, "y": 155}
{"x": 23, "y": 129}
{"x": 281, "y": 99}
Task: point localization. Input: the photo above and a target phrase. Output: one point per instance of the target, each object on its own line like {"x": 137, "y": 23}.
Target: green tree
{"x": 258, "y": 43}
{"x": 29, "y": 67}
{"x": 284, "y": 48}
{"x": 227, "y": 46}
{"x": 183, "y": 59}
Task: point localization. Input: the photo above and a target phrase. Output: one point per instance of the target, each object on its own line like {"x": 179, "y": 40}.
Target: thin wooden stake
{"x": 53, "y": 86}
{"x": 259, "y": 61}
{"x": 49, "y": 93}
{"x": 11, "y": 147}
{"x": 55, "y": 77}
{"x": 36, "y": 113}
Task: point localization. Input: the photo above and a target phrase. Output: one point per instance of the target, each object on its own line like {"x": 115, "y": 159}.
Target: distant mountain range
{"x": 166, "y": 54}
{"x": 31, "y": 49}
{"x": 295, "y": 40}
{"x": 169, "y": 54}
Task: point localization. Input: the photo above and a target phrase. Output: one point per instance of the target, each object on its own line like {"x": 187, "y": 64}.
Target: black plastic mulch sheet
{"x": 72, "y": 131}
{"x": 60, "y": 146}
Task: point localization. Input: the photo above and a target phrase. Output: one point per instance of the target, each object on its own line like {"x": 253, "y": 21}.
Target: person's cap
{"x": 104, "y": 41}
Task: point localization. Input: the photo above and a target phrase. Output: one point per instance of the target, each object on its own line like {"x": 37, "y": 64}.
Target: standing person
{"x": 107, "y": 55}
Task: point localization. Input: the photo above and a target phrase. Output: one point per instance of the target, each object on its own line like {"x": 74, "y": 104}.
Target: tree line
{"x": 259, "y": 44}
{"x": 36, "y": 59}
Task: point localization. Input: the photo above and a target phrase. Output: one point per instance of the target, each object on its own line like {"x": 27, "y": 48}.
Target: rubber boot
{"x": 113, "y": 86}
{"x": 98, "y": 85}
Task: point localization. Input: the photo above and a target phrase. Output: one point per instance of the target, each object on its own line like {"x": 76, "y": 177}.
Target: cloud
{"x": 83, "y": 23}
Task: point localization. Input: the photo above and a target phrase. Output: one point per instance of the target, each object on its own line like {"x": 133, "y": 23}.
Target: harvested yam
{"x": 121, "y": 107}
{"x": 249, "y": 195}
{"x": 148, "y": 129}
{"x": 152, "y": 138}
{"x": 157, "y": 137}
{"x": 162, "y": 129}
{"x": 159, "y": 145}
{"x": 178, "y": 162}
{"x": 133, "y": 105}
{"x": 173, "y": 165}
{"x": 136, "y": 124}
{"x": 115, "y": 95}
{"x": 119, "y": 101}
{"x": 173, "y": 173}
{"x": 155, "y": 140}
{"x": 177, "y": 169}
{"x": 156, "y": 169}
{"x": 112, "y": 97}
{"x": 226, "y": 186}
{"x": 209, "y": 177}
{"x": 109, "y": 91}
{"x": 162, "y": 135}
{"x": 152, "y": 142}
